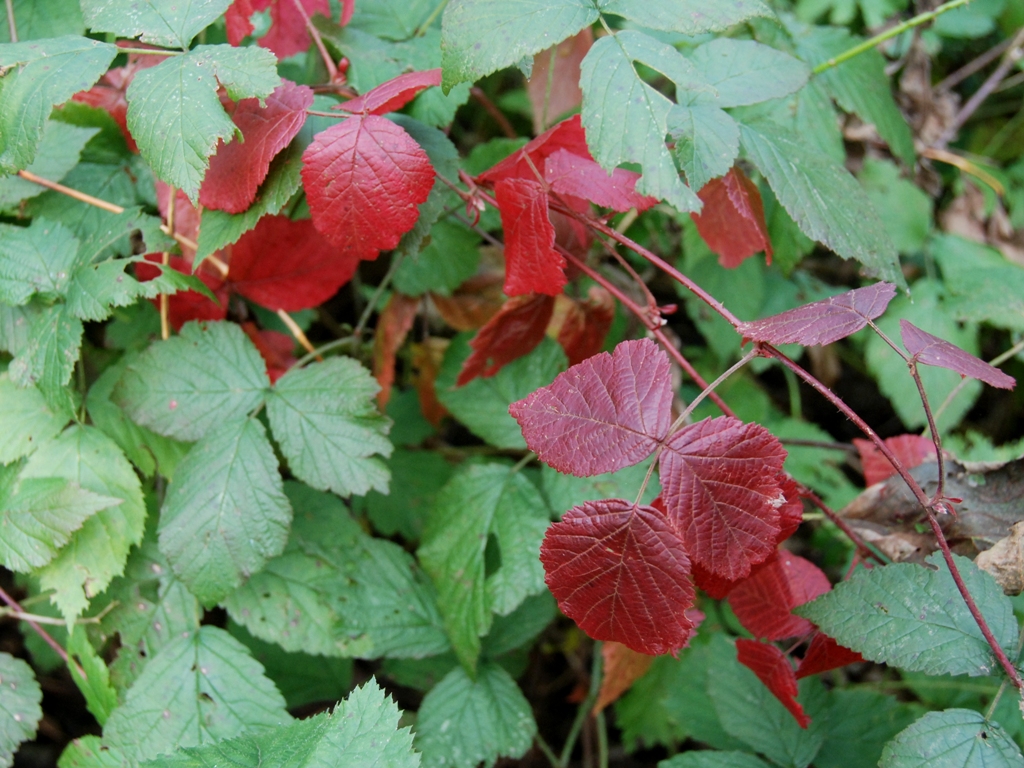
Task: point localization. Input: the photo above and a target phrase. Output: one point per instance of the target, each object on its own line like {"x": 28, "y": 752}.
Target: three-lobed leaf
{"x": 956, "y": 738}
{"x": 171, "y": 25}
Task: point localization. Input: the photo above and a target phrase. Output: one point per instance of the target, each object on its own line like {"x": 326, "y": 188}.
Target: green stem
{"x": 149, "y": 51}
{"x": 549, "y": 753}
{"x": 899, "y": 29}
{"x": 422, "y": 29}
{"x": 12, "y": 27}
{"x": 585, "y": 706}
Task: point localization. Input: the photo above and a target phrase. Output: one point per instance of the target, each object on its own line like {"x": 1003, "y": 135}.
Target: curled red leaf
{"x": 393, "y": 326}
{"x": 393, "y": 94}
{"x": 773, "y": 669}
{"x": 620, "y": 571}
{"x": 931, "y": 350}
{"x": 911, "y": 450}
{"x": 552, "y": 94}
{"x": 583, "y": 325}
{"x": 532, "y": 265}
{"x": 763, "y": 602}
{"x": 732, "y": 220}
{"x": 528, "y": 162}
{"x": 824, "y": 654}
{"x": 571, "y": 174}
{"x": 822, "y": 322}
{"x": 513, "y": 332}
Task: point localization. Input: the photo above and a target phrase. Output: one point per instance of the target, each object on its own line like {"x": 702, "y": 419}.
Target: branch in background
{"x": 12, "y": 603}
{"x": 332, "y": 69}
{"x": 12, "y": 27}
{"x": 968, "y": 69}
{"x": 496, "y": 114}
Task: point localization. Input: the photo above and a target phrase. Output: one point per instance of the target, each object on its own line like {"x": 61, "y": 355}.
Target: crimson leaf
{"x": 606, "y": 413}
{"x": 394, "y": 94}
{"x": 513, "y": 332}
{"x": 911, "y": 450}
{"x": 824, "y": 654}
{"x": 585, "y": 324}
{"x": 721, "y": 484}
{"x": 822, "y": 322}
{"x": 287, "y": 34}
{"x": 364, "y": 179}
{"x": 532, "y": 265}
{"x": 621, "y": 573}
{"x": 931, "y": 350}
{"x": 772, "y": 668}
{"x": 571, "y": 174}
{"x": 239, "y": 167}
{"x": 529, "y": 162}
{"x": 732, "y": 220}
{"x": 762, "y": 602}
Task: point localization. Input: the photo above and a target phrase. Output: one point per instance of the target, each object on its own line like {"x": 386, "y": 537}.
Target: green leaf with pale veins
{"x": 707, "y": 142}
{"x": 59, "y": 151}
{"x": 326, "y": 421}
{"x": 691, "y": 17}
{"x": 183, "y": 387}
{"x": 626, "y": 119}
{"x": 199, "y": 689}
{"x": 956, "y": 738}
{"x": 913, "y": 617}
{"x": 485, "y": 507}
{"x": 335, "y": 591}
{"x": 167, "y": 23}
{"x": 37, "y": 259}
{"x": 16, "y": 325}
{"x": 40, "y": 19}
{"x": 225, "y": 513}
{"x": 744, "y": 72}
{"x": 49, "y": 356}
{"x": 47, "y": 72}
{"x": 482, "y": 36}
{"x": 866, "y": 718}
{"x": 361, "y": 732}
{"x": 822, "y": 197}
{"x": 176, "y": 117}
{"x": 89, "y": 752}
{"x": 38, "y": 516}
{"x": 463, "y": 722}
{"x": 26, "y": 422}
{"x": 98, "y": 550}
{"x": 446, "y": 262}
{"x": 20, "y": 712}
{"x": 96, "y": 289}
{"x": 100, "y": 697}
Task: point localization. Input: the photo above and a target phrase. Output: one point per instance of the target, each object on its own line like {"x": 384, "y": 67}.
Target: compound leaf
{"x": 744, "y": 72}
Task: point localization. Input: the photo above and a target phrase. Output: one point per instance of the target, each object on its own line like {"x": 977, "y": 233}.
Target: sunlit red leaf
{"x": 764, "y": 600}
{"x": 791, "y": 514}
{"x": 931, "y": 350}
{"x": 364, "y": 179}
{"x": 532, "y": 265}
{"x": 274, "y": 347}
{"x": 239, "y": 167}
{"x": 822, "y": 322}
{"x": 606, "y": 413}
{"x": 621, "y": 573}
{"x": 528, "y": 162}
{"x": 287, "y": 35}
{"x": 720, "y": 480}
{"x": 622, "y": 668}
{"x": 911, "y": 450}
{"x": 583, "y": 325}
{"x": 184, "y": 306}
{"x": 773, "y": 669}
{"x": 732, "y": 220}
{"x": 570, "y": 174}
{"x": 285, "y": 264}
{"x": 513, "y": 332}
{"x": 393, "y": 326}
{"x": 552, "y": 94}
{"x": 824, "y": 654}
{"x": 394, "y": 94}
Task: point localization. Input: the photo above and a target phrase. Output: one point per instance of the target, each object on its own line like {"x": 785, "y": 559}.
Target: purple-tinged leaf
{"x": 606, "y": 413}
{"x": 931, "y": 350}
{"x": 822, "y": 322}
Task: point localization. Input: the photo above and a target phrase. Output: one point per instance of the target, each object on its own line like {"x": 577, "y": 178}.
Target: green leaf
{"x": 913, "y": 617}
{"x": 361, "y": 732}
{"x": 984, "y": 285}
{"x": 483, "y": 507}
{"x": 904, "y": 208}
{"x": 713, "y": 760}
{"x": 626, "y": 119}
{"x": 225, "y": 513}
{"x": 482, "y": 36}
{"x": 927, "y": 310}
{"x": 822, "y": 197}
{"x": 182, "y": 387}
{"x": 744, "y": 72}
{"x": 326, "y": 421}
{"x": 100, "y": 697}
{"x": 59, "y": 151}
{"x": 199, "y": 689}
{"x": 416, "y": 477}
{"x": 89, "y": 752}
{"x": 564, "y": 492}
{"x": 97, "y": 288}
{"x": 37, "y": 259}
{"x": 866, "y": 718}
{"x": 16, "y": 325}
{"x": 691, "y": 17}
{"x": 165, "y": 23}
{"x": 26, "y": 422}
{"x": 335, "y": 591}
{"x": 707, "y": 142}
{"x": 98, "y": 550}
{"x": 393, "y": 19}
{"x": 446, "y": 262}
{"x": 39, "y": 19}
{"x": 482, "y": 405}
{"x": 956, "y": 738}
{"x": 49, "y": 356}
{"x": 463, "y": 722}
{"x": 48, "y": 72}
{"x": 176, "y": 117}
{"x": 38, "y": 516}
{"x": 749, "y": 711}
{"x": 20, "y": 712}
{"x": 521, "y": 627}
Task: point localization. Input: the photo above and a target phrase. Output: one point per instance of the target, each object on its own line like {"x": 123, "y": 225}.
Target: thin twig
{"x": 965, "y": 165}
{"x": 12, "y": 26}
{"x": 544, "y": 747}
{"x": 496, "y": 114}
{"x": 298, "y": 333}
{"x": 148, "y": 51}
{"x": 319, "y": 113}
{"x": 165, "y": 260}
{"x": 826, "y": 444}
{"x": 866, "y": 549}
{"x": 940, "y": 490}
{"x": 11, "y": 602}
{"x": 585, "y": 706}
{"x": 317, "y": 354}
{"x": 952, "y": 80}
{"x": 364, "y": 319}
{"x": 422, "y": 29}
{"x": 995, "y": 361}
{"x": 332, "y": 69}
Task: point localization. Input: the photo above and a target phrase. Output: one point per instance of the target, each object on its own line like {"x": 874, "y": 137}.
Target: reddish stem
{"x": 496, "y": 114}
{"x": 332, "y": 69}
{"x": 12, "y": 603}
{"x": 940, "y": 492}
{"x": 865, "y": 549}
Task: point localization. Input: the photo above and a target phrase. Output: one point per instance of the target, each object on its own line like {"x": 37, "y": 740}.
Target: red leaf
{"x": 184, "y": 306}
{"x": 764, "y": 600}
{"x": 570, "y": 174}
{"x": 287, "y": 35}
{"x": 274, "y": 347}
{"x": 554, "y": 94}
{"x": 732, "y": 220}
{"x": 720, "y": 480}
{"x": 285, "y": 264}
{"x": 822, "y": 322}
{"x": 364, "y": 179}
{"x": 791, "y": 514}
{"x": 911, "y": 450}
{"x": 622, "y": 668}
{"x": 109, "y": 92}
{"x": 585, "y": 324}
{"x": 773, "y": 669}
{"x": 824, "y": 654}
{"x": 621, "y": 573}
{"x": 236, "y": 20}
{"x": 568, "y": 134}
{"x": 394, "y": 94}
{"x": 513, "y": 332}
{"x": 186, "y": 216}
{"x": 931, "y": 350}
{"x": 532, "y": 265}
{"x": 606, "y": 413}
{"x": 239, "y": 167}
{"x": 393, "y": 326}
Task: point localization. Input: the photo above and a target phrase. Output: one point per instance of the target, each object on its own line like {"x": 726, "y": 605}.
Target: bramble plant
{"x": 325, "y": 413}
